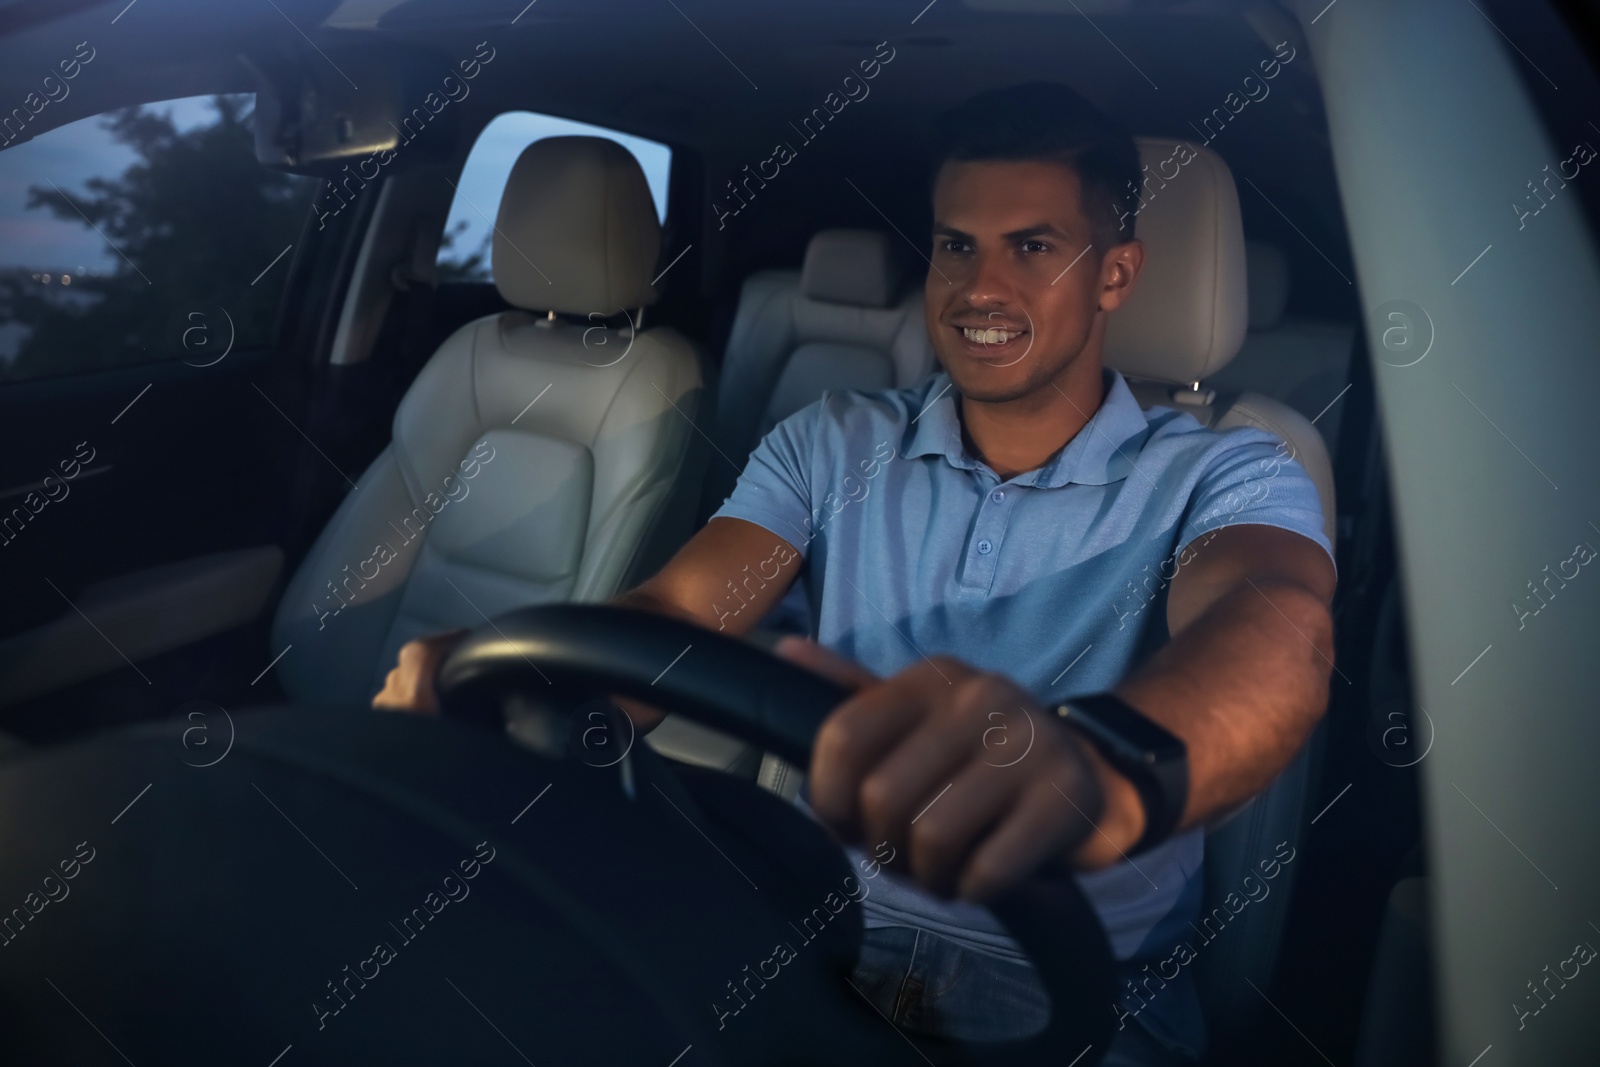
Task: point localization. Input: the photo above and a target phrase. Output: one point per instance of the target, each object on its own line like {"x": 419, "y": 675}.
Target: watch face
{"x": 1135, "y": 736}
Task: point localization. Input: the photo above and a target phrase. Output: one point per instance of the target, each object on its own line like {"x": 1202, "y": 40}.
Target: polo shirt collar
{"x": 1102, "y": 452}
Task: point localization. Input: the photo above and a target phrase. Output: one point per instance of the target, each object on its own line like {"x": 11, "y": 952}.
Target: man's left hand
{"x": 972, "y": 782}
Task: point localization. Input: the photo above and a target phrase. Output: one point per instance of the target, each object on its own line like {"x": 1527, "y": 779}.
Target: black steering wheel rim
{"x": 561, "y": 653}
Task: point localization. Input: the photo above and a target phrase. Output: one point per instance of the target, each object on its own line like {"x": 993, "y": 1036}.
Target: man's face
{"x": 1015, "y": 287}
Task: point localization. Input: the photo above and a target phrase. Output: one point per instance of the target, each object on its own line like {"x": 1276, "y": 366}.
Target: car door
{"x": 155, "y": 288}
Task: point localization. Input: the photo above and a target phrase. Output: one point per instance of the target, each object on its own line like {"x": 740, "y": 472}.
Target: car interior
{"x": 526, "y": 325}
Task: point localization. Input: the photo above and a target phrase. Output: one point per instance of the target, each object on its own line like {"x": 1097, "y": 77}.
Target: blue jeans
{"x": 929, "y": 984}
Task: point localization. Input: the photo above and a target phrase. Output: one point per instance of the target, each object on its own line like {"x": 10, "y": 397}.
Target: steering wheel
{"x": 558, "y": 656}
{"x": 329, "y": 884}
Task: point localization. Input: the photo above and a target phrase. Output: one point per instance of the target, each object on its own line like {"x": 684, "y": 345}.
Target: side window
{"x": 142, "y": 234}
{"x": 464, "y": 250}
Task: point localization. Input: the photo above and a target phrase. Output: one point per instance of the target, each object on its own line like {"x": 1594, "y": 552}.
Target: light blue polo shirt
{"x": 1056, "y": 577}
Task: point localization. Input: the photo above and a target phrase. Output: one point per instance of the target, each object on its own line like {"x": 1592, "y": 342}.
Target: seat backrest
{"x": 1183, "y": 324}
{"x": 845, "y": 320}
{"x": 1189, "y": 314}
{"x": 538, "y": 455}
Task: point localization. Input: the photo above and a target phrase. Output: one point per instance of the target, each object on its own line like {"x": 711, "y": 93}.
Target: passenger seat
{"x": 541, "y": 455}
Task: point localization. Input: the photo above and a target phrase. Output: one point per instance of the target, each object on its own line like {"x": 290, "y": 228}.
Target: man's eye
{"x": 1035, "y": 246}
{"x": 950, "y": 244}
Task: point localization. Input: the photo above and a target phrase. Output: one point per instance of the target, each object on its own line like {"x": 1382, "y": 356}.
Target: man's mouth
{"x": 990, "y": 340}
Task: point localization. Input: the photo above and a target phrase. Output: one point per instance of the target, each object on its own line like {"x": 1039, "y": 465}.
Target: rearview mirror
{"x": 317, "y": 111}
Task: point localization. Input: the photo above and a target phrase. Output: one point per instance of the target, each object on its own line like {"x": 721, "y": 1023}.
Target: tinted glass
{"x": 142, "y": 234}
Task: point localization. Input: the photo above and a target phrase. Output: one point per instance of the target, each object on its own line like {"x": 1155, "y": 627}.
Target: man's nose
{"x": 990, "y": 283}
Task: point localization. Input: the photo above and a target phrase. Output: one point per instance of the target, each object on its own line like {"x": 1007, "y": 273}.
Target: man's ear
{"x": 1119, "y": 273}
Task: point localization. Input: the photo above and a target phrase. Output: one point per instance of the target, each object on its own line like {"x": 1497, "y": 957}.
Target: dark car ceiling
{"x": 726, "y": 78}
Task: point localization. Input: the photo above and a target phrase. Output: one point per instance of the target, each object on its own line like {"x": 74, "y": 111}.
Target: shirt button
{"x": 985, "y": 547}
{"x": 998, "y": 495}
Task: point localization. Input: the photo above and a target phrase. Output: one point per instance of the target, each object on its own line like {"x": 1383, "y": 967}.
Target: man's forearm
{"x": 1243, "y": 686}
{"x": 640, "y": 600}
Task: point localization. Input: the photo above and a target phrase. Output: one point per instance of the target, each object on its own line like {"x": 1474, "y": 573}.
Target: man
{"x": 1021, "y": 533}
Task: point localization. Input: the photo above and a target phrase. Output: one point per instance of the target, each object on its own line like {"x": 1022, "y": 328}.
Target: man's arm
{"x": 1243, "y": 680}
{"x": 727, "y": 577}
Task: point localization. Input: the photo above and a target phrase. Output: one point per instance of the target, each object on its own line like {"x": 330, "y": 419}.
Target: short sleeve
{"x": 1254, "y": 480}
{"x": 774, "y": 491}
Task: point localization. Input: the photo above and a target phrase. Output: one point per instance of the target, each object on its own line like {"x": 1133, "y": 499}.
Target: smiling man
{"x": 1007, "y": 718}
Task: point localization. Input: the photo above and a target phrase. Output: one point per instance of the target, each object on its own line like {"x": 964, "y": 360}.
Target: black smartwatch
{"x": 1149, "y": 756}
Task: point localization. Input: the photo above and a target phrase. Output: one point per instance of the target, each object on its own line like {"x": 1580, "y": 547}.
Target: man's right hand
{"x": 727, "y": 578}
{"x": 409, "y": 687}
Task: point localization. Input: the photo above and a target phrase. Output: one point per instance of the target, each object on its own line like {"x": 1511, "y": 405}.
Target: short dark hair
{"x": 1049, "y": 121}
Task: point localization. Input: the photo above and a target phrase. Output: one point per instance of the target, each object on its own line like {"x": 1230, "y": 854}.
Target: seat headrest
{"x": 577, "y": 230}
{"x": 1187, "y": 316}
{"x": 850, "y": 267}
{"x": 1268, "y": 270}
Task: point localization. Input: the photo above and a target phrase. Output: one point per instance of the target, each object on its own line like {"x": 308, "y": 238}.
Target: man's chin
{"x": 988, "y": 383}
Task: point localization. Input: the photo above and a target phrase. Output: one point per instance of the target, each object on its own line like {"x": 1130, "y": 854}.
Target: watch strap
{"x": 1146, "y": 753}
